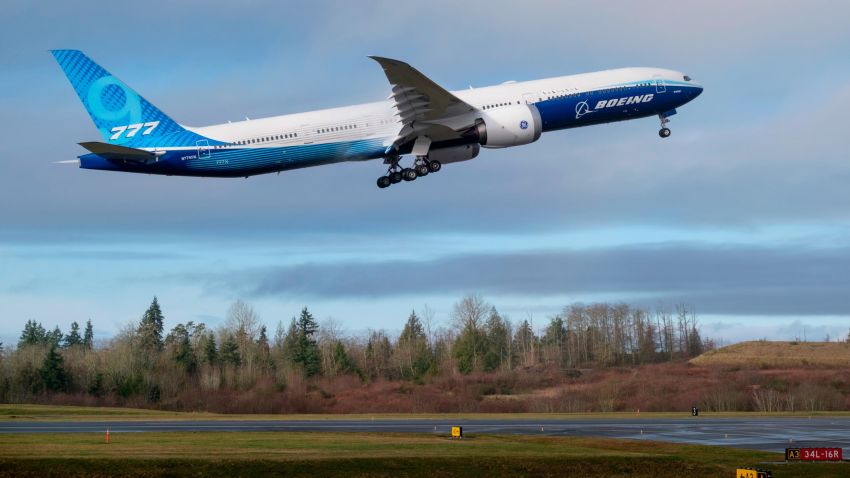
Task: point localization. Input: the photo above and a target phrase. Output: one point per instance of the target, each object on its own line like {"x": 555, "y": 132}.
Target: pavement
{"x": 768, "y": 434}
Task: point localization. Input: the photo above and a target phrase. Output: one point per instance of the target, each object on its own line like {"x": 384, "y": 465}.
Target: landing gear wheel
{"x": 434, "y": 166}
{"x": 395, "y": 177}
{"x": 384, "y": 181}
{"x": 664, "y": 132}
{"x": 408, "y": 174}
{"x": 422, "y": 170}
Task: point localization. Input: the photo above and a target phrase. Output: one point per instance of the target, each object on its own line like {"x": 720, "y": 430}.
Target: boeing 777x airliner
{"x": 420, "y": 118}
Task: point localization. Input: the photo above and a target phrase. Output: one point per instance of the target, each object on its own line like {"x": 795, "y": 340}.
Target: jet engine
{"x": 507, "y": 126}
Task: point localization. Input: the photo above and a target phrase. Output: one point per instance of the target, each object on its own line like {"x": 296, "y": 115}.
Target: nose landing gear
{"x": 664, "y": 132}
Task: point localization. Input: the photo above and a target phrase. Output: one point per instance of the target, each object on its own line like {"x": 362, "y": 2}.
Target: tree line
{"x": 144, "y": 364}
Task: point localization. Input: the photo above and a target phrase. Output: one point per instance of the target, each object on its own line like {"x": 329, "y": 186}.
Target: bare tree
{"x": 242, "y": 319}
{"x": 428, "y": 323}
{"x": 470, "y": 312}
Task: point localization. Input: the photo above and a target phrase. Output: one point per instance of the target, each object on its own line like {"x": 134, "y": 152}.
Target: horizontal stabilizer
{"x": 114, "y": 151}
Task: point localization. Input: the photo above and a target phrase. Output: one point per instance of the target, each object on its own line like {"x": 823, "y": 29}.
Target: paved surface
{"x": 770, "y": 434}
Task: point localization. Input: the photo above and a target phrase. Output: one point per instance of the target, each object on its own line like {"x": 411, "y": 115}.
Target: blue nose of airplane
{"x": 696, "y": 90}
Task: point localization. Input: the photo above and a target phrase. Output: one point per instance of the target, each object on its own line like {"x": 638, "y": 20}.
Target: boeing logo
{"x": 523, "y": 124}
{"x": 629, "y": 100}
{"x": 582, "y": 109}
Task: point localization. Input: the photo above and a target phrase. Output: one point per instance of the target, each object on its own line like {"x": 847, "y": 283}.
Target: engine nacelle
{"x": 454, "y": 154}
{"x": 508, "y": 126}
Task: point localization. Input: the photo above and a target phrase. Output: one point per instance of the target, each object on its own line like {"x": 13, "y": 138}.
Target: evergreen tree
{"x": 230, "y": 351}
{"x": 554, "y": 340}
{"x": 343, "y": 362}
{"x": 263, "y": 350}
{"x": 210, "y": 352}
{"x": 52, "y": 372}
{"x": 412, "y": 349}
{"x": 96, "y": 387}
{"x": 307, "y": 350}
{"x": 695, "y": 345}
{"x": 468, "y": 316}
{"x": 150, "y": 327}
{"x": 179, "y": 341}
{"x": 88, "y": 336}
{"x": 289, "y": 346}
{"x": 468, "y": 348}
{"x": 498, "y": 342}
{"x": 73, "y": 338}
{"x": 33, "y": 334}
{"x": 378, "y": 353}
{"x": 412, "y": 329}
{"x": 524, "y": 344}
{"x": 54, "y": 337}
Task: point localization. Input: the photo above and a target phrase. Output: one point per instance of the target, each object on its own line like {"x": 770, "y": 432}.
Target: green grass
{"x": 345, "y": 454}
{"x": 26, "y": 412}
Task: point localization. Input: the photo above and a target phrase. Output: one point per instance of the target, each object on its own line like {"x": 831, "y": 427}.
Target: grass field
{"x": 396, "y": 455}
{"x": 28, "y": 412}
{"x": 346, "y": 454}
{"x": 775, "y": 354}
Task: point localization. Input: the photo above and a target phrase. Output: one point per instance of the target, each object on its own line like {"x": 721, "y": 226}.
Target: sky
{"x": 743, "y": 213}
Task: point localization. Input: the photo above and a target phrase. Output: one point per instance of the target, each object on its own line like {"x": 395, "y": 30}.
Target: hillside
{"x": 769, "y": 354}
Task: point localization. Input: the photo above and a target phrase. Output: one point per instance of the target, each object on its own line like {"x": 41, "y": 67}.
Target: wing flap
{"x": 421, "y": 103}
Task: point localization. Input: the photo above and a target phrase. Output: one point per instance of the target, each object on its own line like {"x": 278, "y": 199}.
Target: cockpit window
{"x": 687, "y": 78}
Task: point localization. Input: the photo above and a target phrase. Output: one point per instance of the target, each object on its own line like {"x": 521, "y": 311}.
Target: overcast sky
{"x": 743, "y": 213}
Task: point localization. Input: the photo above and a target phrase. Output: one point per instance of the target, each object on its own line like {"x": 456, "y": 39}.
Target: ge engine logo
{"x": 523, "y": 124}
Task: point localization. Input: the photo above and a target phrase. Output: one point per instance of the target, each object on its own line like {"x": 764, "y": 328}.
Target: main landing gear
{"x": 422, "y": 166}
{"x": 664, "y": 132}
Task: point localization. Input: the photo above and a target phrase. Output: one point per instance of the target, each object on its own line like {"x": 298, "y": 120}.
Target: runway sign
{"x": 750, "y": 473}
{"x": 813, "y": 454}
{"x": 457, "y": 432}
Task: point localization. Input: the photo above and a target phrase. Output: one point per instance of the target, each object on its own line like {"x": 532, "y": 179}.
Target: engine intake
{"x": 507, "y": 126}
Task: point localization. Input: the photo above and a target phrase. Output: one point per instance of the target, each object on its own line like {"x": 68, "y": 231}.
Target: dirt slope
{"x": 769, "y": 354}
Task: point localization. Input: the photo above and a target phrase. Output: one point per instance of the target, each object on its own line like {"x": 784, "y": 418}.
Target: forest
{"x": 582, "y": 359}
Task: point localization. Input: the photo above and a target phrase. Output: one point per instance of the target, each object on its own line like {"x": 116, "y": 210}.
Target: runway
{"x": 769, "y": 434}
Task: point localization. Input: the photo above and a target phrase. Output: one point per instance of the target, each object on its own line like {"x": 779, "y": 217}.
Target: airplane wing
{"x": 421, "y": 103}
{"x": 116, "y": 152}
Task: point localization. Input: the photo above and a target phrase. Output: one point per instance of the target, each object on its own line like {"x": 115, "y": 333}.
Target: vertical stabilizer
{"x": 121, "y": 115}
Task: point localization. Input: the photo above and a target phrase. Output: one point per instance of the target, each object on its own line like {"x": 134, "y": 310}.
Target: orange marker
{"x": 107, "y": 436}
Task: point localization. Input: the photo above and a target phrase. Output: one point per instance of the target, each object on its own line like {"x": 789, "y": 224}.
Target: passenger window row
{"x": 264, "y": 139}
{"x": 336, "y": 128}
{"x": 487, "y": 107}
{"x": 563, "y": 93}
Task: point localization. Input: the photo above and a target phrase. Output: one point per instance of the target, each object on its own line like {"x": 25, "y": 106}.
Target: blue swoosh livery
{"x": 420, "y": 118}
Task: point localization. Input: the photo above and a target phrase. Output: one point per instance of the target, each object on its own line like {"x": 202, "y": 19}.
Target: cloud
{"x": 733, "y": 280}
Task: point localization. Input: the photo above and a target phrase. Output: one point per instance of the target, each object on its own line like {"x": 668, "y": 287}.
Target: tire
{"x": 384, "y": 181}
{"x": 664, "y": 132}
{"x": 434, "y": 166}
{"x": 408, "y": 174}
{"x": 395, "y": 177}
{"x": 422, "y": 170}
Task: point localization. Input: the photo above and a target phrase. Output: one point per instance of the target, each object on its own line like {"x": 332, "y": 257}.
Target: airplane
{"x": 419, "y": 118}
